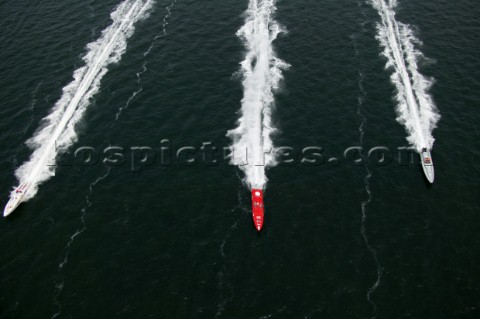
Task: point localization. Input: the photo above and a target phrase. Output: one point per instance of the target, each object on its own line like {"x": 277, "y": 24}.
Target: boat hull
{"x": 16, "y": 197}
{"x": 427, "y": 165}
{"x": 257, "y": 208}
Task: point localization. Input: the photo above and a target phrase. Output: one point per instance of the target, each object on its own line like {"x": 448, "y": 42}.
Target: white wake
{"x": 262, "y": 72}
{"x": 416, "y": 109}
{"x": 59, "y": 130}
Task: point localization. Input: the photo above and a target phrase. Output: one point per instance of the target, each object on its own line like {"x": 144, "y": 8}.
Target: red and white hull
{"x": 257, "y": 208}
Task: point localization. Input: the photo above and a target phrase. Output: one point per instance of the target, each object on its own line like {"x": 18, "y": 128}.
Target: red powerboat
{"x": 257, "y": 208}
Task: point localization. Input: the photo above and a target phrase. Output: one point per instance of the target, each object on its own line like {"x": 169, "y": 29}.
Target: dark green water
{"x": 178, "y": 241}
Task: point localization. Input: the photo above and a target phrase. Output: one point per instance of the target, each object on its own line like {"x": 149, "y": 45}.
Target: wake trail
{"x": 416, "y": 109}
{"x": 364, "y": 204}
{"x": 58, "y": 132}
{"x": 127, "y": 13}
{"x": 145, "y": 61}
{"x": 262, "y": 72}
{"x": 60, "y": 283}
{"x": 372, "y": 250}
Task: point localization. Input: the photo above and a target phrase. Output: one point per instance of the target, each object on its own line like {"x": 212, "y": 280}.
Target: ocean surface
{"x": 168, "y": 237}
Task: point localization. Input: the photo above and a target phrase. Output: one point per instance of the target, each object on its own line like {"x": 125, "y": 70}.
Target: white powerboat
{"x": 427, "y": 164}
{"x": 16, "y": 197}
